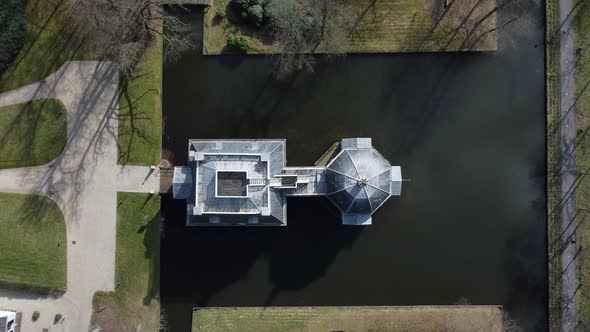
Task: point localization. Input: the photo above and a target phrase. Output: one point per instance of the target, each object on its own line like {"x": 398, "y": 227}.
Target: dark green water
{"x": 467, "y": 129}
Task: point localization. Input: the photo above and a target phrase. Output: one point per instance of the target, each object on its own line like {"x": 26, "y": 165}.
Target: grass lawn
{"x": 140, "y": 113}
{"x": 582, "y": 26}
{"x": 321, "y": 319}
{"x": 32, "y": 243}
{"x": 136, "y": 300}
{"x": 51, "y": 41}
{"x": 380, "y": 26}
{"x": 32, "y": 133}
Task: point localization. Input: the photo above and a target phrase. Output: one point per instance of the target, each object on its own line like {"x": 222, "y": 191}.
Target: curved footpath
{"x": 83, "y": 182}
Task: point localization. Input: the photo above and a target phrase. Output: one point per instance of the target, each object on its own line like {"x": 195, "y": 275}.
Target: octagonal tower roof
{"x": 358, "y": 179}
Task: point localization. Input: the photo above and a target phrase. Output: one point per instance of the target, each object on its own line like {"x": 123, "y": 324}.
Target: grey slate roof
{"x": 182, "y": 182}
{"x": 261, "y": 159}
{"x": 358, "y": 179}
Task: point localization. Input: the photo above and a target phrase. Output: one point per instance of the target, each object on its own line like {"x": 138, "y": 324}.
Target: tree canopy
{"x": 305, "y": 27}
{"x": 13, "y": 30}
{"x": 124, "y": 28}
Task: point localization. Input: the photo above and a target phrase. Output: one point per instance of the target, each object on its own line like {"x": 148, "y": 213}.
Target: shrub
{"x": 13, "y": 30}
{"x": 219, "y": 13}
{"x": 255, "y": 14}
{"x": 56, "y": 319}
{"x": 36, "y": 316}
{"x": 239, "y": 43}
{"x": 241, "y": 4}
{"x": 252, "y": 12}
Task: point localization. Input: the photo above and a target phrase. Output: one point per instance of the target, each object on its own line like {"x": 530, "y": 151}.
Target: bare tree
{"x": 333, "y": 24}
{"x": 474, "y": 24}
{"x": 307, "y": 27}
{"x": 290, "y": 29}
{"x": 125, "y": 28}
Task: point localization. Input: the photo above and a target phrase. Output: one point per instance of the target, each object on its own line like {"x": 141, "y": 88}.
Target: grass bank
{"x": 582, "y": 29}
{"x": 316, "y": 319}
{"x": 140, "y": 112}
{"x": 32, "y": 133}
{"x": 553, "y": 131}
{"x": 52, "y": 40}
{"x": 386, "y": 26}
{"x": 136, "y": 300}
{"x": 32, "y": 243}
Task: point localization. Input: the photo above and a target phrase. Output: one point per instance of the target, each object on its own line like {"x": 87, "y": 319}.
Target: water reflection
{"x": 467, "y": 129}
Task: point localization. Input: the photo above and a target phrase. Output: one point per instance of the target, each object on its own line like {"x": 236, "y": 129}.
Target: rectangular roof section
{"x": 232, "y": 181}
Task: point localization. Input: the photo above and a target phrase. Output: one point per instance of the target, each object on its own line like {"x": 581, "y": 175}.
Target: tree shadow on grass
{"x": 361, "y": 17}
{"x": 132, "y": 116}
{"x": 25, "y": 126}
{"x": 49, "y": 52}
{"x": 35, "y": 207}
{"x": 34, "y": 39}
{"x": 29, "y": 292}
{"x": 151, "y": 242}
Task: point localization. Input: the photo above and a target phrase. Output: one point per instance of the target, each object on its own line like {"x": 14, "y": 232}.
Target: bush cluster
{"x": 239, "y": 43}
{"x": 13, "y": 30}
{"x": 252, "y": 11}
{"x": 219, "y": 13}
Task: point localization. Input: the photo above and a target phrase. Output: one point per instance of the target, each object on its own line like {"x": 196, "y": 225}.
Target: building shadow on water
{"x": 466, "y": 128}
{"x": 201, "y": 262}
{"x": 152, "y": 252}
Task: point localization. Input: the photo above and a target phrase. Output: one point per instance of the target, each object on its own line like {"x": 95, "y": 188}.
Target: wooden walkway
{"x": 328, "y": 155}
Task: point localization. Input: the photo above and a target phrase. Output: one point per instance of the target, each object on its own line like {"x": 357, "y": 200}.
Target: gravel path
{"x": 82, "y": 182}
{"x": 139, "y": 179}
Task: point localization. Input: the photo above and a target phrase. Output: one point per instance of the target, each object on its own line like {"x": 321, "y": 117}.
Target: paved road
{"x": 568, "y": 134}
{"x": 82, "y": 183}
{"x": 140, "y": 179}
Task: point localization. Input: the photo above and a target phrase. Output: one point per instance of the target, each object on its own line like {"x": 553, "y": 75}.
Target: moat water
{"x": 468, "y": 130}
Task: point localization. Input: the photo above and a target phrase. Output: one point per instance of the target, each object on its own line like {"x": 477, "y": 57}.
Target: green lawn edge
{"x": 32, "y": 244}
{"x": 140, "y": 111}
{"x": 348, "y": 318}
{"x": 136, "y": 299}
{"x": 32, "y": 133}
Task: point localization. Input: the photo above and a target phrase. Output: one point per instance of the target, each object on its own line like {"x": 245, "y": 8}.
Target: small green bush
{"x": 239, "y": 43}
{"x": 255, "y": 14}
{"x": 13, "y": 30}
{"x": 56, "y": 319}
{"x": 36, "y": 315}
{"x": 252, "y": 12}
{"x": 242, "y": 4}
{"x": 219, "y": 13}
